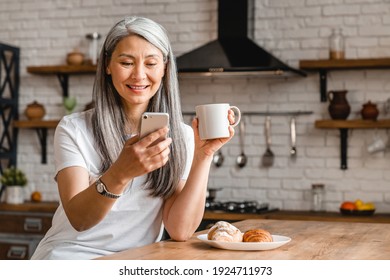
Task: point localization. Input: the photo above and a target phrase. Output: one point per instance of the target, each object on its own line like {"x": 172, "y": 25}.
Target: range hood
{"x": 233, "y": 52}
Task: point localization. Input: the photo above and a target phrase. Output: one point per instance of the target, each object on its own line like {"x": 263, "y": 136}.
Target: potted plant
{"x": 14, "y": 180}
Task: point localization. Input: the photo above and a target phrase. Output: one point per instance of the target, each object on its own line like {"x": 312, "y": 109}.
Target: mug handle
{"x": 237, "y": 115}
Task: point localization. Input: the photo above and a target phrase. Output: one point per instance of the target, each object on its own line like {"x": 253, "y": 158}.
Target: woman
{"x": 118, "y": 191}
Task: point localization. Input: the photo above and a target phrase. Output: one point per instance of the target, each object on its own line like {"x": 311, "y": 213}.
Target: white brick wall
{"x": 46, "y": 30}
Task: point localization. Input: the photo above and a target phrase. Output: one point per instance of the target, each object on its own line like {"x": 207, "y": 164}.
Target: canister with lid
{"x": 336, "y": 44}
{"x": 317, "y": 193}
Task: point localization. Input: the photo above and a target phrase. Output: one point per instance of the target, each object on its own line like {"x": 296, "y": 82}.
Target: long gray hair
{"x": 109, "y": 119}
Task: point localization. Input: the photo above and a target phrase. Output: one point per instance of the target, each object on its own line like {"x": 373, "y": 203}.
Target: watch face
{"x": 99, "y": 188}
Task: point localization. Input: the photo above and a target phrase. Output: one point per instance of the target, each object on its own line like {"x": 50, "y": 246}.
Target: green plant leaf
{"x": 13, "y": 176}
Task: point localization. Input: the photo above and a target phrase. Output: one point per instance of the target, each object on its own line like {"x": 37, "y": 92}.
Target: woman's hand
{"x": 142, "y": 156}
{"x": 209, "y": 147}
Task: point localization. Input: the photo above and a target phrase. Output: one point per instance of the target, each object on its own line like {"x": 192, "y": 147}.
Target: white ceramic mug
{"x": 213, "y": 120}
{"x": 377, "y": 145}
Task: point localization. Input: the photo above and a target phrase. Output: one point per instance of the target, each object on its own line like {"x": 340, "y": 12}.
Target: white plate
{"x": 278, "y": 240}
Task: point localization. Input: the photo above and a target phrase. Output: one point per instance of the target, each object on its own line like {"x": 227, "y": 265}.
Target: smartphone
{"x": 151, "y": 122}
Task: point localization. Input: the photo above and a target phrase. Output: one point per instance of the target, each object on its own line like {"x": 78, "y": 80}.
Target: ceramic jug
{"x": 35, "y": 111}
{"x": 339, "y": 107}
{"x": 369, "y": 111}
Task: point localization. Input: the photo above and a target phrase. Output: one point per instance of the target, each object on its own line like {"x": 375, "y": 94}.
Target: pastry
{"x": 257, "y": 235}
{"x": 224, "y": 231}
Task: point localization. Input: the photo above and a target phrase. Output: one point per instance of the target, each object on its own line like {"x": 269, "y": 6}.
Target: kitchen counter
{"x": 297, "y": 215}
{"x": 28, "y": 206}
{"x": 51, "y": 206}
{"x": 22, "y": 226}
{"x": 311, "y": 240}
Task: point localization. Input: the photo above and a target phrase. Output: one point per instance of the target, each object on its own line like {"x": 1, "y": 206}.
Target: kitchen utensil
{"x": 242, "y": 158}
{"x": 268, "y": 156}
{"x": 218, "y": 158}
{"x": 293, "y": 150}
{"x": 212, "y": 193}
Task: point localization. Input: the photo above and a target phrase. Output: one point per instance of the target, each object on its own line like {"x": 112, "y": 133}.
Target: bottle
{"x": 317, "y": 192}
{"x": 93, "y": 47}
{"x": 336, "y": 44}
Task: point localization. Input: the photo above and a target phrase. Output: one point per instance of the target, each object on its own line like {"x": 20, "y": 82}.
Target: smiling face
{"x": 136, "y": 68}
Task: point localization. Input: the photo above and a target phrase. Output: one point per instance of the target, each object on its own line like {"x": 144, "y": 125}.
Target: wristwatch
{"x": 101, "y": 189}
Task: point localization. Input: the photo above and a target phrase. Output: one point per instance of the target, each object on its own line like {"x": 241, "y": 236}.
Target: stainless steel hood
{"x": 233, "y": 52}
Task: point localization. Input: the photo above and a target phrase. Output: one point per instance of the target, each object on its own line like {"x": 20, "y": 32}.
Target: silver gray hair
{"x": 109, "y": 119}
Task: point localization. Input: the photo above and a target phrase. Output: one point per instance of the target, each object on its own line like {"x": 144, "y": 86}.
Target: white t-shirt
{"x": 134, "y": 220}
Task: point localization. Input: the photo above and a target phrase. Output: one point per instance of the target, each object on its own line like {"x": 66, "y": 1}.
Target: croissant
{"x": 224, "y": 231}
{"x": 257, "y": 235}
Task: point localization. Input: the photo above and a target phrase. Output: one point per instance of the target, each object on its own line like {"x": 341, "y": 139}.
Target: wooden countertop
{"x": 298, "y": 215}
{"x": 28, "y": 206}
{"x": 311, "y": 240}
{"x": 50, "y": 207}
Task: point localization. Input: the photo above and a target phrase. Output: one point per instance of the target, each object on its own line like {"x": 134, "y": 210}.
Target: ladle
{"x": 242, "y": 158}
{"x": 218, "y": 158}
{"x": 293, "y": 150}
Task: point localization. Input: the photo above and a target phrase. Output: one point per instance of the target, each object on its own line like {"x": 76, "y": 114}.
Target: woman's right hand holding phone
{"x": 142, "y": 156}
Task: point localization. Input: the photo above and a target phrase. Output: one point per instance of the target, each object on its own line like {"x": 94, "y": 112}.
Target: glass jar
{"x": 336, "y": 44}
{"x": 93, "y": 47}
{"x": 317, "y": 194}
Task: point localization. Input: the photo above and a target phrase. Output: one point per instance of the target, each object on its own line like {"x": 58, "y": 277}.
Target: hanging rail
{"x": 271, "y": 113}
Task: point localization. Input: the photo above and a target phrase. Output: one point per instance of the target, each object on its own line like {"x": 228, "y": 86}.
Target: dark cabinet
{"x": 22, "y": 227}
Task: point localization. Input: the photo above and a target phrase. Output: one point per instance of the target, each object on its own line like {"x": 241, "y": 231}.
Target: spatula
{"x": 268, "y": 156}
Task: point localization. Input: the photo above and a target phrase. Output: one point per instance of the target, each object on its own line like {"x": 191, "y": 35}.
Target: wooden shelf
{"x": 344, "y": 64}
{"x": 63, "y": 72}
{"x": 62, "y": 69}
{"x": 358, "y": 124}
{"x": 344, "y": 125}
{"x": 36, "y": 123}
{"x": 41, "y": 127}
{"x": 325, "y": 65}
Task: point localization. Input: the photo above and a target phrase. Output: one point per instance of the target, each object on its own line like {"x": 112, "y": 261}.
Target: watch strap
{"x": 102, "y": 189}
